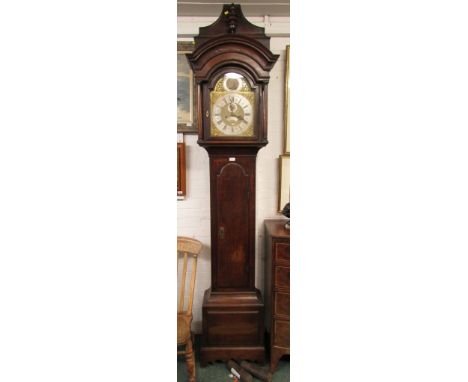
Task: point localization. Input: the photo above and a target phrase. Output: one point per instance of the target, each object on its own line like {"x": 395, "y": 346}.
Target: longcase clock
{"x": 231, "y": 64}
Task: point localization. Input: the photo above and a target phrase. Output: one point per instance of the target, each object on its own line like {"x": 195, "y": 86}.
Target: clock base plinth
{"x": 233, "y": 327}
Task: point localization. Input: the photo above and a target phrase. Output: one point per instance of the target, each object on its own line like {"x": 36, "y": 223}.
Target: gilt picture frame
{"x": 186, "y": 97}
{"x": 181, "y": 170}
{"x": 284, "y": 181}
{"x": 287, "y": 137}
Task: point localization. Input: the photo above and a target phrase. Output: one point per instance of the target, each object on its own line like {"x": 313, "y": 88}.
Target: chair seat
{"x": 183, "y": 328}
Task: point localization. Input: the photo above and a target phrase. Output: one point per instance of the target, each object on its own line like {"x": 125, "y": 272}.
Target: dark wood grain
{"x": 222, "y": 26}
{"x": 233, "y": 217}
{"x": 281, "y": 337}
{"x": 281, "y": 277}
{"x": 282, "y": 252}
{"x": 277, "y": 283}
{"x": 281, "y": 302}
{"x": 233, "y": 326}
{"x": 233, "y": 309}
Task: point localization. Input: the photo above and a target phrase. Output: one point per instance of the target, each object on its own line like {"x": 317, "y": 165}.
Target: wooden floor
{"x": 217, "y": 372}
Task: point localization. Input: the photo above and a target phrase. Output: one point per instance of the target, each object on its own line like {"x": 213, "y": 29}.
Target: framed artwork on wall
{"x": 284, "y": 184}
{"x": 186, "y": 100}
{"x": 286, "y": 104}
{"x": 181, "y": 170}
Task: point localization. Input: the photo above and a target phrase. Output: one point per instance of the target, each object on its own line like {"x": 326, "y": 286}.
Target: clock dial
{"x": 232, "y": 114}
{"x": 232, "y": 107}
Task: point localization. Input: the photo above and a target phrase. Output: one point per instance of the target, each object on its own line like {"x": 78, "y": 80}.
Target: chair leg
{"x": 190, "y": 360}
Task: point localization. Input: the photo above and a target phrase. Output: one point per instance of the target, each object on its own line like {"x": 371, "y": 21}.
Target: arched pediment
{"x": 232, "y": 50}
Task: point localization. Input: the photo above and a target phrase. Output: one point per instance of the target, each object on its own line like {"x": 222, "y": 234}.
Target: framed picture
{"x": 284, "y": 185}
{"x": 181, "y": 170}
{"x": 186, "y": 100}
{"x": 286, "y": 104}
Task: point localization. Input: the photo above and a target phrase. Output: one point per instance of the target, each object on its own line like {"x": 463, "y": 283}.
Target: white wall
{"x": 193, "y": 212}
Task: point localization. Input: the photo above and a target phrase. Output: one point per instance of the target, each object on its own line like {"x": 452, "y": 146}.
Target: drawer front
{"x": 281, "y": 333}
{"x": 282, "y": 304}
{"x": 282, "y": 252}
{"x": 282, "y": 277}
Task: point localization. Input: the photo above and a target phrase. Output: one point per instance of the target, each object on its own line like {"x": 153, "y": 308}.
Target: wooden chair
{"x": 188, "y": 248}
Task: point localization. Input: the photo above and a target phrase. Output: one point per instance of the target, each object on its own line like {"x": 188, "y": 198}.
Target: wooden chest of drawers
{"x": 277, "y": 289}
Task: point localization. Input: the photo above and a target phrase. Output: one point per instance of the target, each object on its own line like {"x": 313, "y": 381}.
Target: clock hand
{"x": 240, "y": 117}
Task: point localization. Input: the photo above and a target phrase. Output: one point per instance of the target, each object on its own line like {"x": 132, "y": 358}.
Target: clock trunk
{"x": 233, "y": 215}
